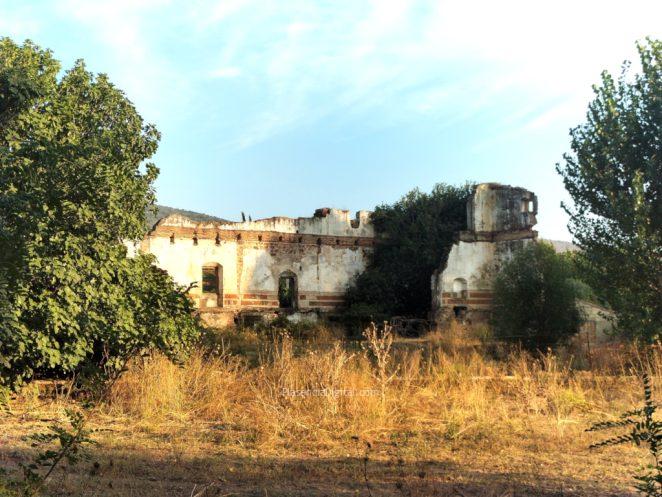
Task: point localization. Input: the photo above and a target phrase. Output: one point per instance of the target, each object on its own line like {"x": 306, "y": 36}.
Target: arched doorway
{"x": 287, "y": 290}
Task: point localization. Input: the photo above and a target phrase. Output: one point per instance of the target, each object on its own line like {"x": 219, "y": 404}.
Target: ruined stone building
{"x": 268, "y": 264}
{"x": 500, "y": 220}
{"x": 308, "y": 263}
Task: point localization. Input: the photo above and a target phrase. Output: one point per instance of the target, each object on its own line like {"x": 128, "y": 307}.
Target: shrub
{"x": 644, "y": 429}
{"x": 535, "y": 298}
{"x": 414, "y": 237}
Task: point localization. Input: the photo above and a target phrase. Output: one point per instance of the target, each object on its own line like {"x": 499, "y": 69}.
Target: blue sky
{"x": 280, "y": 107}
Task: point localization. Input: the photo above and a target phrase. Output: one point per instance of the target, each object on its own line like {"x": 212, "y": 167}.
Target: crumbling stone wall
{"x": 500, "y": 220}
{"x": 323, "y": 254}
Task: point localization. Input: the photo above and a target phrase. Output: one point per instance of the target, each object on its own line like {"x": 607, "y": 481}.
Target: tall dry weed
{"x": 320, "y": 397}
{"x": 378, "y": 345}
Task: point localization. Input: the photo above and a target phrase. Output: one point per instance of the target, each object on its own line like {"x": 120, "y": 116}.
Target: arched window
{"x": 460, "y": 288}
{"x": 212, "y": 282}
{"x": 287, "y": 290}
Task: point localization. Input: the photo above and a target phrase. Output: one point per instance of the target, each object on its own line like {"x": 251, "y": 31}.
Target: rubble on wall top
{"x": 499, "y": 186}
{"x": 325, "y": 221}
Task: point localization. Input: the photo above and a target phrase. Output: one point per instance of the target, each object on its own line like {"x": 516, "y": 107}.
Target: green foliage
{"x": 535, "y": 298}
{"x": 582, "y": 289}
{"x": 644, "y": 429}
{"x": 414, "y": 237}
{"x": 614, "y": 176}
{"x": 6, "y": 487}
{"x": 73, "y": 188}
{"x": 27, "y": 74}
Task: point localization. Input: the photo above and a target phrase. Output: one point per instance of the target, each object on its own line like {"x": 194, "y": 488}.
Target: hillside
{"x": 163, "y": 211}
{"x": 561, "y": 245}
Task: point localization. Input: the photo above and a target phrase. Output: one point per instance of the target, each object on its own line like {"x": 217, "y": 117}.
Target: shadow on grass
{"x": 115, "y": 472}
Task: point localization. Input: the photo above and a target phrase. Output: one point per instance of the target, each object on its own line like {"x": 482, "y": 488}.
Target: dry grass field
{"x": 434, "y": 416}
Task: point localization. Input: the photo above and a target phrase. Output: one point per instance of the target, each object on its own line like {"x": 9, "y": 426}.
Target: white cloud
{"x": 403, "y": 58}
{"x": 398, "y": 56}
{"x": 381, "y": 62}
{"x": 225, "y": 72}
{"x": 138, "y": 65}
{"x": 205, "y": 13}
{"x": 17, "y": 22}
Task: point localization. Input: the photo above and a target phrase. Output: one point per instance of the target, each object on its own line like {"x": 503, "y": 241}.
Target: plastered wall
{"x": 324, "y": 253}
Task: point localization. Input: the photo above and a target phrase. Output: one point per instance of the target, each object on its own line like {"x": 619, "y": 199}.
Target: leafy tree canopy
{"x": 535, "y": 298}
{"x": 73, "y": 188}
{"x": 614, "y": 176}
{"x": 414, "y": 237}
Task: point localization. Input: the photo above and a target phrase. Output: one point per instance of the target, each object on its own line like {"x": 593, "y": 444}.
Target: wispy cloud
{"x": 125, "y": 30}
{"x": 301, "y": 61}
{"x": 221, "y": 77}
{"x": 205, "y": 13}
{"x": 225, "y": 72}
{"x": 17, "y": 20}
{"x": 452, "y": 59}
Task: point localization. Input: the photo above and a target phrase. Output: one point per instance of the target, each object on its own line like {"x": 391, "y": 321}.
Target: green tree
{"x": 535, "y": 298}
{"x": 414, "y": 237}
{"x": 27, "y": 74}
{"x": 74, "y": 186}
{"x": 614, "y": 176}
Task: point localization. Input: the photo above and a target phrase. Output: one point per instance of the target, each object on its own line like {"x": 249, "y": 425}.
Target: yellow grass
{"x": 428, "y": 418}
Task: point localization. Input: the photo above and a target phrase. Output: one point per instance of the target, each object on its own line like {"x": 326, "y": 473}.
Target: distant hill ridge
{"x": 165, "y": 211}
{"x": 562, "y": 246}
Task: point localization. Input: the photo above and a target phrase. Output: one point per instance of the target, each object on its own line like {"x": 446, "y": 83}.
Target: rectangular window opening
{"x": 210, "y": 279}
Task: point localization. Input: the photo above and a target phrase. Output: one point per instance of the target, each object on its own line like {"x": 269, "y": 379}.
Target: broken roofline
{"x": 339, "y": 223}
{"x": 325, "y": 222}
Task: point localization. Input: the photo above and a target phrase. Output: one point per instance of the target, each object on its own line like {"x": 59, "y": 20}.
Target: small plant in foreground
{"x": 72, "y": 444}
{"x": 379, "y": 343}
{"x": 645, "y": 429}
{"x": 364, "y": 460}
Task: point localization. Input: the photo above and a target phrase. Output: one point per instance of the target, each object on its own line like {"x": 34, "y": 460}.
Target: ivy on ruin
{"x": 413, "y": 238}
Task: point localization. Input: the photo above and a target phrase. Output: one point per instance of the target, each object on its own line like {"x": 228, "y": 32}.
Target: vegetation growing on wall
{"x": 414, "y": 237}
{"x": 73, "y": 187}
{"x": 535, "y": 298}
{"x": 614, "y": 176}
